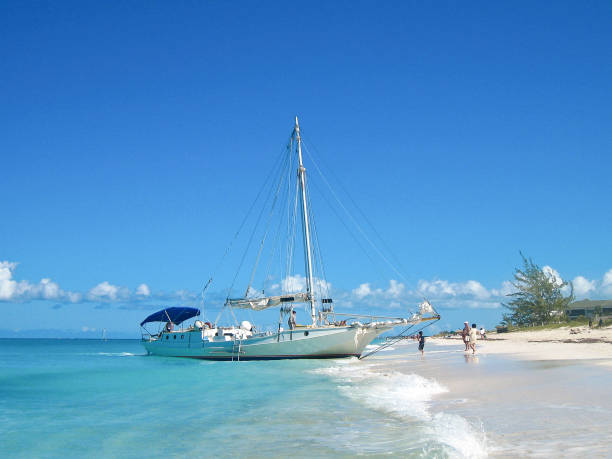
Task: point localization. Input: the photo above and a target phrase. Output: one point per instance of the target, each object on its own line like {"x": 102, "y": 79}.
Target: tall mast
{"x": 306, "y": 226}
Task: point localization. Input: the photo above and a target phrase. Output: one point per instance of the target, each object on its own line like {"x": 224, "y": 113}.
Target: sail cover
{"x": 258, "y": 304}
{"x": 426, "y": 308}
{"x": 176, "y": 315}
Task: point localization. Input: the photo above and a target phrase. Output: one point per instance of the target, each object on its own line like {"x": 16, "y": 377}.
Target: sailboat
{"x": 329, "y": 334}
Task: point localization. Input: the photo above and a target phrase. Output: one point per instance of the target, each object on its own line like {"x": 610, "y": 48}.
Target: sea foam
{"x": 371, "y": 347}
{"x": 119, "y": 354}
{"x": 408, "y": 397}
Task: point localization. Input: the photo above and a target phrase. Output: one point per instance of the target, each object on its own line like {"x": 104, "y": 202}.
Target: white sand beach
{"x": 565, "y": 343}
{"x": 528, "y": 394}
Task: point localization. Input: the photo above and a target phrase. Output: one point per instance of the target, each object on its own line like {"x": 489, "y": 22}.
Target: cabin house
{"x": 590, "y": 308}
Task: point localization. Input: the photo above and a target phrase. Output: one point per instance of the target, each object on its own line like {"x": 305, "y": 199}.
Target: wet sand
{"x": 525, "y": 403}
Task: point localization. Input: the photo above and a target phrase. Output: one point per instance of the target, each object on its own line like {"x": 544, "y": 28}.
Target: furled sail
{"x": 258, "y": 304}
{"x": 425, "y": 308}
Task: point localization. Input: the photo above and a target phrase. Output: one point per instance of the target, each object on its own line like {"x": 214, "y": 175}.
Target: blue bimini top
{"x": 176, "y": 315}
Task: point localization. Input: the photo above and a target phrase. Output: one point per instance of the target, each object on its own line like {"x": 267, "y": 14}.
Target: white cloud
{"x": 477, "y": 304}
{"x": 435, "y": 288}
{"x": 506, "y": 289}
{"x": 182, "y": 295}
{"x": 553, "y": 275}
{"x": 12, "y": 290}
{"x": 49, "y": 289}
{"x": 391, "y": 297}
{"x": 442, "y": 288}
{"x": 362, "y": 291}
{"x": 607, "y": 279}
{"x": 396, "y": 289}
{"x": 7, "y": 285}
{"x": 606, "y": 283}
{"x": 107, "y": 292}
{"x": 46, "y": 289}
{"x": 471, "y": 293}
{"x": 74, "y": 297}
{"x": 292, "y": 284}
{"x": 143, "y": 290}
{"x": 321, "y": 285}
{"x": 474, "y": 288}
{"x": 297, "y": 283}
{"x": 583, "y": 286}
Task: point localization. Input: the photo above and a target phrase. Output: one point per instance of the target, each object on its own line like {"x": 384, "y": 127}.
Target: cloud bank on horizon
{"x": 443, "y": 293}
{"x": 14, "y": 291}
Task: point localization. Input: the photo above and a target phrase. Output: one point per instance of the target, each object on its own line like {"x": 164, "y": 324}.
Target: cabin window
{"x": 174, "y": 336}
{"x": 182, "y": 336}
{"x": 166, "y": 336}
{"x": 305, "y": 333}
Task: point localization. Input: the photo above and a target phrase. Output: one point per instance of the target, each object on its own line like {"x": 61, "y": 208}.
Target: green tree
{"x": 538, "y": 298}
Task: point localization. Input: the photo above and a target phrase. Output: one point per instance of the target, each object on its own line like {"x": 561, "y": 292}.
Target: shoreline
{"x": 564, "y": 343}
{"x": 521, "y": 394}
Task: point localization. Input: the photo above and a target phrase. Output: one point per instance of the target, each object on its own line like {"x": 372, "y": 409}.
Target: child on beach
{"x": 473, "y": 338}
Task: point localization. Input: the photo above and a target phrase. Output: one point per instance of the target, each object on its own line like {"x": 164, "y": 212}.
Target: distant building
{"x": 589, "y": 308}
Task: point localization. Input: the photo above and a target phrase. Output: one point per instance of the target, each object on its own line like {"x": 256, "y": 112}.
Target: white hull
{"x": 323, "y": 342}
{"x": 343, "y": 339}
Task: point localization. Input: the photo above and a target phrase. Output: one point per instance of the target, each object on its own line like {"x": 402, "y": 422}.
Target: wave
{"x": 408, "y": 396}
{"x": 119, "y": 354}
{"x": 371, "y": 347}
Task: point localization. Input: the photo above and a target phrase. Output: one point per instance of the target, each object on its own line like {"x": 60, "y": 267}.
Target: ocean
{"x": 93, "y": 398}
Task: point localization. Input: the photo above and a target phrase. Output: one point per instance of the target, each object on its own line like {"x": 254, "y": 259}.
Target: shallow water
{"x": 524, "y": 408}
{"x": 75, "y": 398}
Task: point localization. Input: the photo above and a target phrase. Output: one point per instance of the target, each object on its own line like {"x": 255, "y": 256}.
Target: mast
{"x": 306, "y": 226}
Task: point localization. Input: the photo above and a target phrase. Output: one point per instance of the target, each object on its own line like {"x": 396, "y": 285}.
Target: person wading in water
{"x": 465, "y": 334}
{"x": 421, "y": 339}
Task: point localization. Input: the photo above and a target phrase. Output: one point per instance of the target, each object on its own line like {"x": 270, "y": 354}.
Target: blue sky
{"x": 134, "y": 135}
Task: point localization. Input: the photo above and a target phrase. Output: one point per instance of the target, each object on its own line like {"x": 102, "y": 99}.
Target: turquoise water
{"x": 89, "y": 398}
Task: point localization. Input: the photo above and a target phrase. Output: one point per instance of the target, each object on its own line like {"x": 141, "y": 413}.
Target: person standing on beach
{"x": 291, "y": 322}
{"x": 473, "y": 338}
{"x": 465, "y": 334}
{"x": 421, "y": 339}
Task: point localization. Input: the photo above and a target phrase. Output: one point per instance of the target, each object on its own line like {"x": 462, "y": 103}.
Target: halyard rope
{"x": 397, "y": 339}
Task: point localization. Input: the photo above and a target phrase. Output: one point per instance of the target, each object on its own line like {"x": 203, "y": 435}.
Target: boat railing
{"x": 147, "y": 336}
{"x": 364, "y": 316}
{"x": 372, "y": 318}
